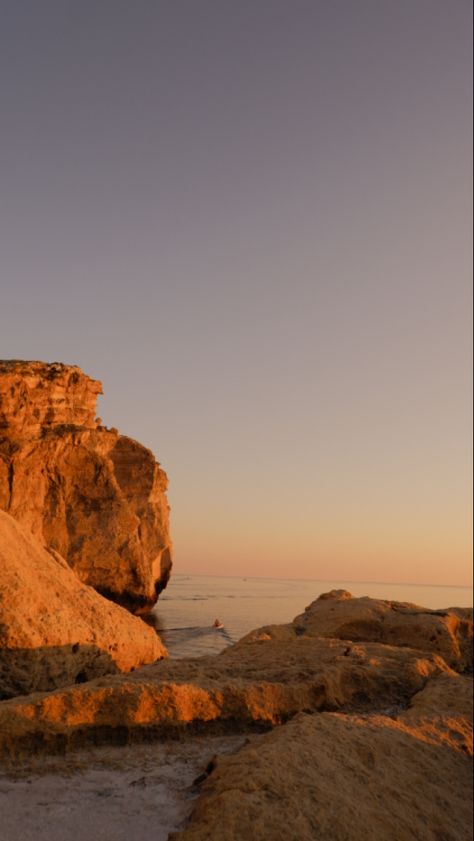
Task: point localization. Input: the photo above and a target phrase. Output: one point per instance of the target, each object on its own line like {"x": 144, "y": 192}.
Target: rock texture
{"x": 337, "y": 615}
{"x": 336, "y": 777}
{"x": 35, "y": 396}
{"x": 257, "y": 684}
{"x": 371, "y": 741}
{"x": 54, "y": 630}
{"x": 96, "y": 497}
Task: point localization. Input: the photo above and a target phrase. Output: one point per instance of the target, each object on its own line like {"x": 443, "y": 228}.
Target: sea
{"x": 186, "y": 611}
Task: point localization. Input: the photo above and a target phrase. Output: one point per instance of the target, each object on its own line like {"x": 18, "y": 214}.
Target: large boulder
{"x": 338, "y": 615}
{"x": 335, "y": 777}
{"x": 96, "y": 497}
{"x": 55, "y": 630}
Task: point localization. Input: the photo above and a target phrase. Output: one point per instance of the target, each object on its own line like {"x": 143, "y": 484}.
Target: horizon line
{"x": 325, "y": 580}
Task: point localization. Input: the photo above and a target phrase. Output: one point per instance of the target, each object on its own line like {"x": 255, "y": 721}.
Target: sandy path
{"x": 133, "y": 793}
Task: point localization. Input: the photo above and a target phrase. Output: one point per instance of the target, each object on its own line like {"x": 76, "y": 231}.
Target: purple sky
{"x": 251, "y": 221}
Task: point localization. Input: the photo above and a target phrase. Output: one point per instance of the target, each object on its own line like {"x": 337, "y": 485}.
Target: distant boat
{"x": 217, "y": 624}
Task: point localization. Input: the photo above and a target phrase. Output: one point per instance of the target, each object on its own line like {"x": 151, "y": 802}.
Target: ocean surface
{"x": 187, "y": 609}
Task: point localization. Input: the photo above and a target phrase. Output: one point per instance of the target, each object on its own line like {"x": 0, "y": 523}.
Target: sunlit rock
{"x": 96, "y": 497}
{"x": 55, "y": 630}
{"x": 337, "y": 615}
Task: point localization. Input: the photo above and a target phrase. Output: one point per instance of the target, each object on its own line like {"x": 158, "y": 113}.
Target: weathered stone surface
{"x": 34, "y": 396}
{"x": 340, "y": 616}
{"x": 260, "y": 683}
{"x": 378, "y": 749}
{"x": 96, "y": 497}
{"x": 443, "y": 711}
{"x": 55, "y": 630}
{"x": 334, "y": 777}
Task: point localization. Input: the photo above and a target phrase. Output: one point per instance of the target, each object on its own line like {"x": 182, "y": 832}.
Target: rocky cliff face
{"x": 35, "y": 397}
{"x": 96, "y": 497}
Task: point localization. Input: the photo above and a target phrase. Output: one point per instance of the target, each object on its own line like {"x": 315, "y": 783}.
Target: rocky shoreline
{"x": 351, "y": 723}
{"x": 336, "y": 737}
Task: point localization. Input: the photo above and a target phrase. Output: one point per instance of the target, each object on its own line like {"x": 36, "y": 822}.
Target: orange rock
{"x": 54, "y": 630}
{"x": 94, "y": 496}
{"x": 379, "y": 746}
{"x": 335, "y": 777}
{"x": 35, "y": 396}
{"x": 338, "y": 615}
{"x": 260, "y": 683}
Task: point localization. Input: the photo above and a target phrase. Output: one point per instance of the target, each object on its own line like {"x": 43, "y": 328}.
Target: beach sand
{"x": 130, "y": 793}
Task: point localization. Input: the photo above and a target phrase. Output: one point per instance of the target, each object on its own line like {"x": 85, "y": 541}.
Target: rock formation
{"x": 55, "y": 630}
{"x": 262, "y": 681}
{"x": 338, "y": 615}
{"x": 96, "y": 497}
{"x": 370, "y": 741}
{"x": 263, "y": 684}
{"x": 334, "y": 777}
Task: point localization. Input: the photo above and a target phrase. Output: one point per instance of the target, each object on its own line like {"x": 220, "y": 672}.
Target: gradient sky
{"x": 251, "y": 220}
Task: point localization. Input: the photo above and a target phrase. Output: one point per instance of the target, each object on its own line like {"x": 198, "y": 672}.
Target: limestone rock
{"x": 443, "y": 710}
{"x": 36, "y": 396}
{"x": 340, "y": 616}
{"x": 55, "y": 630}
{"x": 378, "y": 748}
{"x": 336, "y": 777}
{"x": 260, "y": 684}
{"x": 96, "y": 497}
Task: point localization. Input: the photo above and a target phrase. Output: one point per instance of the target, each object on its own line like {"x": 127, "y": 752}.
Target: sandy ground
{"x": 132, "y": 793}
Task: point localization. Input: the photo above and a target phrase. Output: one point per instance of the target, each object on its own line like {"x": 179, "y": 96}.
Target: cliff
{"x": 94, "y": 496}
{"x": 35, "y": 396}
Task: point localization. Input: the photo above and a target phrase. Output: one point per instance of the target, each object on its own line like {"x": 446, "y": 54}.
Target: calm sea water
{"x": 186, "y": 610}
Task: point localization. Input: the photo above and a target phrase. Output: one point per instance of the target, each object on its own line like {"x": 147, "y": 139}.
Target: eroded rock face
{"x": 337, "y": 615}
{"x": 55, "y": 630}
{"x": 96, "y": 497}
{"x": 34, "y": 396}
{"x": 261, "y": 683}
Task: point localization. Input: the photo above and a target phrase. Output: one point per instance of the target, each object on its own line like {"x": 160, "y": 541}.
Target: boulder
{"x": 338, "y": 615}
{"x": 96, "y": 497}
{"x": 335, "y": 777}
{"x": 55, "y": 630}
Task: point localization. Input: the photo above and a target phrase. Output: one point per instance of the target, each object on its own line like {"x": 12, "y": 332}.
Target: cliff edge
{"x": 94, "y": 496}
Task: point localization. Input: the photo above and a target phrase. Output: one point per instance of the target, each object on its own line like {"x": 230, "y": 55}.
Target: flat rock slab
{"x": 261, "y": 683}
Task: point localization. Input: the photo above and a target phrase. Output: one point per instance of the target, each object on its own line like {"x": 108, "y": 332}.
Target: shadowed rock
{"x": 96, "y": 497}
{"x": 55, "y": 630}
{"x": 336, "y": 777}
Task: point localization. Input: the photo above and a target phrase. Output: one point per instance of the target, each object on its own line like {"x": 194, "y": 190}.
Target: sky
{"x": 252, "y": 222}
